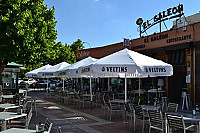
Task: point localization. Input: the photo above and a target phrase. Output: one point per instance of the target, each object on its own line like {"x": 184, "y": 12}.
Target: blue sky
{"x": 104, "y": 22}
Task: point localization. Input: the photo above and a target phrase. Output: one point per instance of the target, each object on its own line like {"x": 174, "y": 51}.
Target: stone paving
{"x": 72, "y": 119}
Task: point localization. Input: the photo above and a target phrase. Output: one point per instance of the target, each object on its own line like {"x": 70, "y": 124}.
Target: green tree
{"x": 65, "y": 53}
{"x": 27, "y": 33}
{"x": 77, "y": 45}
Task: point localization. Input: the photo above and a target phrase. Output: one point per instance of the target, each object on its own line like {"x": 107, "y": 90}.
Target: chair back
{"x": 59, "y": 130}
{"x": 136, "y": 101}
{"x": 172, "y": 107}
{"x": 155, "y": 118}
{"x": 129, "y": 107}
{"x": 105, "y": 100}
{"x": 48, "y": 125}
{"x": 16, "y": 99}
{"x": 29, "y": 117}
{"x": 138, "y": 111}
{"x": 1, "y": 97}
{"x": 175, "y": 122}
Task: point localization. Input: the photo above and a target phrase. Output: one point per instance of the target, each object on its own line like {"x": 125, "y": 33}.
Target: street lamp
{"x": 87, "y": 43}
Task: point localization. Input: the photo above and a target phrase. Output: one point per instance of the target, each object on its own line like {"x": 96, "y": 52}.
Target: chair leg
{"x": 110, "y": 115}
{"x": 104, "y": 112}
{"x": 143, "y": 126}
{"x": 131, "y": 121}
{"x": 134, "y": 124}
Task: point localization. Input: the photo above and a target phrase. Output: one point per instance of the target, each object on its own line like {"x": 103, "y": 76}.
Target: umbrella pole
{"x": 91, "y": 91}
{"x": 139, "y": 87}
{"x": 47, "y": 86}
{"x": 125, "y": 89}
{"x": 108, "y": 85}
{"x": 63, "y": 84}
{"x": 81, "y": 84}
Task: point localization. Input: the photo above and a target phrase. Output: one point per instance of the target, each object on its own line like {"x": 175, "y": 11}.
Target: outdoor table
{"x": 5, "y": 116}
{"x": 7, "y": 106}
{"x": 72, "y": 93}
{"x": 121, "y": 101}
{"x": 188, "y": 117}
{"x": 19, "y": 130}
{"x": 120, "y": 95}
{"x": 7, "y": 97}
{"x": 139, "y": 92}
{"x": 150, "y": 107}
{"x": 89, "y": 96}
{"x": 158, "y": 93}
{"x": 33, "y": 100}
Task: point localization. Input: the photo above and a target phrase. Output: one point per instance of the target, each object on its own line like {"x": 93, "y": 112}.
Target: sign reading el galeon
{"x": 170, "y": 13}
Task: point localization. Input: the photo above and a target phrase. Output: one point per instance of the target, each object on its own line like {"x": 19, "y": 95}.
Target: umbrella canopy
{"x": 72, "y": 70}
{"x": 51, "y": 72}
{"x": 127, "y": 63}
{"x": 33, "y": 73}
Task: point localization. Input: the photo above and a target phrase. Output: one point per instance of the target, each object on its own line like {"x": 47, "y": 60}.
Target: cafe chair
{"x": 129, "y": 112}
{"x": 172, "y": 107}
{"x": 47, "y": 125}
{"x": 1, "y": 97}
{"x": 176, "y": 123}
{"x": 22, "y": 123}
{"x": 140, "y": 115}
{"x": 105, "y": 104}
{"x": 59, "y": 130}
{"x": 155, "y": 121}
{"x": 114, "y": 108}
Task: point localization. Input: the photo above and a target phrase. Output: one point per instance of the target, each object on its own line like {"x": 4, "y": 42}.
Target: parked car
{"x": 42, "y": 84}
{"x": 30, "y": 81}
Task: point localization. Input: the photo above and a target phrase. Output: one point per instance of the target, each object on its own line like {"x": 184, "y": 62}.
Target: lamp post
{"x": 87, "y": 43}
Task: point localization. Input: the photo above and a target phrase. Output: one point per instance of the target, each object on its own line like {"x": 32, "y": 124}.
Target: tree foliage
{"x": 77, "y": 45}
{"x": 28, "y": 35}
{"x": 66, "y": 52}
{"x": 27, "y": 31}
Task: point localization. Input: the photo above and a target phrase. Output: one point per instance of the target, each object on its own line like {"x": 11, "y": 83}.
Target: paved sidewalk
{"x": 72, "y": 119}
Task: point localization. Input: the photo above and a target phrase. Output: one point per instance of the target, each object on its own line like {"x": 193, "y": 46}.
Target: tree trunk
{"x": 2, "y": 66}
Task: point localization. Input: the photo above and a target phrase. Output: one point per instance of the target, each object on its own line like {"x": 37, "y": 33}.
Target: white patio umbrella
{"x": 72, "y": 70}
{"x": 51, "y": 72}
{"x": 33, "y": 73}
{"x": 128, "y": 64}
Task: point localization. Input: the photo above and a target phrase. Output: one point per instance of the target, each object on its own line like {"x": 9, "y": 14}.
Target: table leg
{"x": 3, "y": 125}
{"x": 125, "y": 118}
{"x": 35, "y": 107}
{"x": 166, "y": 130}
{"x": 198, "y": 127}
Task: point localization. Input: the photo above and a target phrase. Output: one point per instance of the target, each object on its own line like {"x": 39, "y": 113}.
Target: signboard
{"x": 170, "y": 13}
{"x": 11, "y": 70}
{"x": 126, "y": 42}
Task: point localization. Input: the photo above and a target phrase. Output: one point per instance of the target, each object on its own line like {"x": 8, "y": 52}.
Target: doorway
{"x": 176, "y": 83}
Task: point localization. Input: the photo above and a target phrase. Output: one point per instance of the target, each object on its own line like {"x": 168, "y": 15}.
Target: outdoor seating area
{"x": 129, "y": 92}
{"x": 16, "y": 112}
{"x": 165, "y": 116}
{"x": 151, "y": 117}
